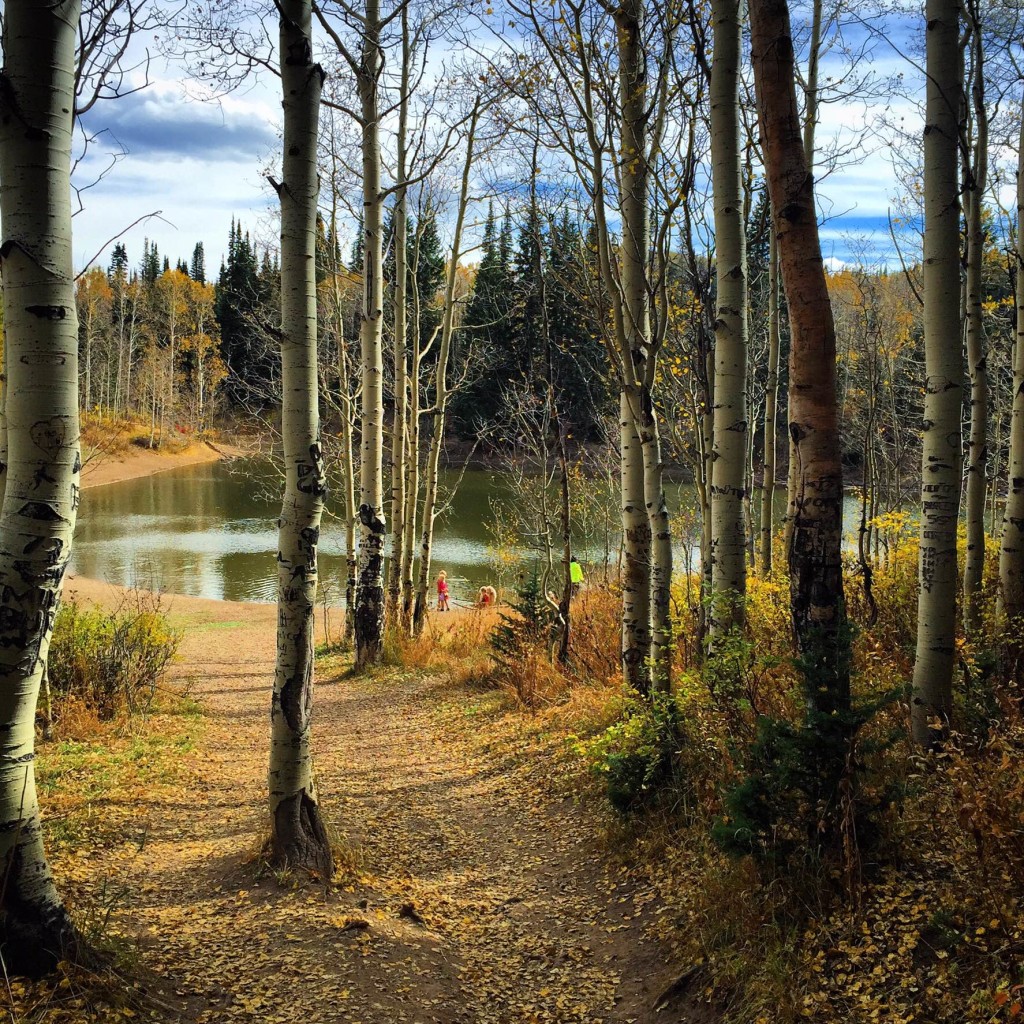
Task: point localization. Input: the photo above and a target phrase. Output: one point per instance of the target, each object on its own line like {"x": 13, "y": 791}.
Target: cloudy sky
{"x": 199, "y": 161}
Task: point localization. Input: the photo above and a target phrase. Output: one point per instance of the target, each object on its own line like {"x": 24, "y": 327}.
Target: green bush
{"x": 517, "y": 635}
{"x": 637, "y": 755}
{"x": 112, "y": 661}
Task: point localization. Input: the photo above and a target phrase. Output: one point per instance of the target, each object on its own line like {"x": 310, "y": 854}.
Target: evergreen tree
{"x": 197, "y": 271}
{"x": 485, "y": 328}
{"x": 578, "y": 357}
{"x": 149, "y": 269}
{"x": 527, "y": 320}
{"x": 244, "y": 302}
{"x": 118, "y": 269}
{"x": 429, "y": 272}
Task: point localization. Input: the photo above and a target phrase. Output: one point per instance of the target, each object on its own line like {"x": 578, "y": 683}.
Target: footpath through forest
{"x": 469, "y": 891}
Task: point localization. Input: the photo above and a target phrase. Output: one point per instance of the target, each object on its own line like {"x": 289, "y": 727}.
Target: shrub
{"x": 111, "y": 661}
{"x": 636, "y": 756}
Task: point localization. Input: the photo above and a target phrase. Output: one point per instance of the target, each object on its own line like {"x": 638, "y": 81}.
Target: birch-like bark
{"x": 729, "y": 436}
{"x": 429, "y": 512}
{"x": 298, "y": 836}
{"x": 412, "y": 483}
{"x": 638, "y": 354}
{"x": 636, "y": 554}
{"x": 369, "y": 619}
{"x": 771, "y": 400}
{"x": 815, "y": 562}
{"x": 977, "y": 448}
{"x": 1011, "y": 550}
{"x": 41, "y": 492}
{"x": 347, "y": 415}
{"x": 941, "y": 447}
{"x": 399, "y": 440}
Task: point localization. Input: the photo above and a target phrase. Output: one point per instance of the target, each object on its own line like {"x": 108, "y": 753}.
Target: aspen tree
{"x": 43, "y": 462}
{"x": 298, "y": 836}
{"x": 1011, "y": 548}
{"x": 729, "y": 435}
{"x": 815, "y": 562}
{"x": 638, "y": 350}
{"x": 771, "y": 399}
{"x": 941, "y": 447}
{"x": 400, "y": 451}
{"x": 369, "y": 617}
{"x": 441, "y": 393}
{"x": 977, "y": 451}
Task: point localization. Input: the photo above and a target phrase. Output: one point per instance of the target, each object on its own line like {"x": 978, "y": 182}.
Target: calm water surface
{"x": 211, "y": 531}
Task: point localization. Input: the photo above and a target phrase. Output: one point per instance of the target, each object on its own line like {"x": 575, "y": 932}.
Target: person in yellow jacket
{"x": 575, "y": 576}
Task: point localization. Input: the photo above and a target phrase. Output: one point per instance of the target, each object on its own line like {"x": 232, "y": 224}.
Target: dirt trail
{"x": 470, "y": 896}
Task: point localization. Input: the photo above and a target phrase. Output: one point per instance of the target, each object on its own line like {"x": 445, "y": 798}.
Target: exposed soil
{"x": 111, "y": 468}
{"x": 467, "y": 891}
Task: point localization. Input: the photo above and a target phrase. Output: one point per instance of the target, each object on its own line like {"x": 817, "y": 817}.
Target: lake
{"x": 211, "y": 531}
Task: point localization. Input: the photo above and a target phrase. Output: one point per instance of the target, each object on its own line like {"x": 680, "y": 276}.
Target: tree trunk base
{"x": 34, "y": 938}
{"x": 300, "y": 839}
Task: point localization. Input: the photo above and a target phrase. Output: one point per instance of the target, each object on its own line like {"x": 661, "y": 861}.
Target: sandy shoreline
{"x": 140, "y": 462}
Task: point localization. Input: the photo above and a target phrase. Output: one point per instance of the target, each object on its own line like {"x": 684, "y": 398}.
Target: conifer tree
{"x": 197, "y": 269}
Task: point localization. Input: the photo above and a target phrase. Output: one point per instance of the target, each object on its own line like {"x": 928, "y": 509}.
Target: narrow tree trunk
{"x": 412, "y": 484}
{"x": 809, "y": 131}
{"x": 815, "y": 563}
{"x": 369, "y": 619}
{"x": 941, "y": 448}
{"x": 636, "y": 541}
{"x": 728, "y": 532}
{"x": 1011, "y": 550}
{"x": 638, "y": 348}
{"x": 399, "y": 441}
{"x": 977, "y": 451}
{"x": 41, "y": 491}
{"x": 298, "y": 836}
{"x": 441, "y": 384}
{"x": 771, "y": 400}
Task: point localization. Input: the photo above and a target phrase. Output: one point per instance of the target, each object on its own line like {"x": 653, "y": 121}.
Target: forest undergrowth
{"x": 915, "y": 915}
{"x": 912, "y": 912}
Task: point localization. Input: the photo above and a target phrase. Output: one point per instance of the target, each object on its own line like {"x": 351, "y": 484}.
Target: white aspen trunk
{"x": 399, "y": 440}
{"x": 369, "y": 618}
{"x": 728, "y": 531}
{"x": 412, "y": 485}
{"x": 41, "y": 492}
{"x": 88, "y": 356}
{"x": 1011, "y": 549}
{"x": 298, "y": 835}
{"x": 771, "y": 400}
{"x": 977, "y": 451}
{"x": 941, "y": 448}
{"x": 441, "y": 385}
{"x": 633, "y": 173}
{"x": 348, "y": 469}
{"x": 636, "y": 554}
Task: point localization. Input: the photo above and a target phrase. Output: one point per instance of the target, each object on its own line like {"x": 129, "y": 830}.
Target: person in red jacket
{"x": 442, "y": 592}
